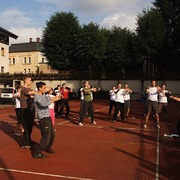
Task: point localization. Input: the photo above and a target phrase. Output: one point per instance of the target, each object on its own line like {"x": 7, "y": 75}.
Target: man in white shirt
{"x": 112, "y": 99}
{"x": 152, "y": 103}
{"x": 119, "y": 102}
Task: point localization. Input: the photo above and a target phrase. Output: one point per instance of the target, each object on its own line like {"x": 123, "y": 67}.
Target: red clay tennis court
{"x": 105, "y": 151}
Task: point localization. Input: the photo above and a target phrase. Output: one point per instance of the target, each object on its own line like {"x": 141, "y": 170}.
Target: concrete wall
{"x": 136, "y": 85}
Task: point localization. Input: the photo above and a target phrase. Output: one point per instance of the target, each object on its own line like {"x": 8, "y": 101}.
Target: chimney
{"x": 38, "y": 40}
{"x": 30, "y": 40}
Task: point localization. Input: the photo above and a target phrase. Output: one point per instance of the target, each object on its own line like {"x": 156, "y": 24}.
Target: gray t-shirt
{"x": 42, "y": 102}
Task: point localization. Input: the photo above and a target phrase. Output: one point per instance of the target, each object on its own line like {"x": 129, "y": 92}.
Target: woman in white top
{"x": 112, "y": 95}
{"x": 18, "y": 130}
{"x": 51, "y": 106}
{"x": 163, "y": 101}
{"x": 119, "y": 103}
{"x": 127, "y": 99}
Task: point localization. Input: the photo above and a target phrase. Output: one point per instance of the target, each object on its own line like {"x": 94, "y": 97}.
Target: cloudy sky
{"x": 27, "y": 18}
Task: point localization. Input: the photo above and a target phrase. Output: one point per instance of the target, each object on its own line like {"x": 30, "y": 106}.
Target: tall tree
{"x": 170, "y": 12}
{"x": 91, "y": 46}
{"x": 118, "y": 47}
{"x": 151, "y": 34}
{"x": 59, "y": 40}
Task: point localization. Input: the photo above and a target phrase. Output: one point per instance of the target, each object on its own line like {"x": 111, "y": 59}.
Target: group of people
{"x": 120, "y": 99}
{"x": 157, "y": 101}
{"x": 49, "y": 103}
{"x": 30, "y": 102}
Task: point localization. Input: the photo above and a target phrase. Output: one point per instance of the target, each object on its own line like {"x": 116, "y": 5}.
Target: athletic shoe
{"x": 17, "y": 134}
{"x": 94, "y": 122}
{"x": 26, "y": 147}
{"x": 80, "y": 124}
{"x": 39, "y": 156}
{"x": 158, "y": 126}
{"x": 145, "y": 125}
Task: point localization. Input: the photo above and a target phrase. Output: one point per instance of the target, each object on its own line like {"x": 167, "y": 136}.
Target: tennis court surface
{"x": 105, "y": 151}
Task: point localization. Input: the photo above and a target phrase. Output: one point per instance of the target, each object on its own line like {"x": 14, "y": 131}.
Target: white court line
{"x": 43, "y": 174}
{"x": 101, "y": 109}
{"x": 157, "y": 157}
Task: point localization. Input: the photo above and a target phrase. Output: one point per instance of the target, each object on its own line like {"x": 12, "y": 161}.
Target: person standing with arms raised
{"x": 152, "y": 103}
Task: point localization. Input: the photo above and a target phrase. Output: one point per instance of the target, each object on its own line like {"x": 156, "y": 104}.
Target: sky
{"x": 27, "y": 18}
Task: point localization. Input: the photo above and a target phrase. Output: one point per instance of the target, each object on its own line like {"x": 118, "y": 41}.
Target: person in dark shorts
{"x": 152, "y": 103}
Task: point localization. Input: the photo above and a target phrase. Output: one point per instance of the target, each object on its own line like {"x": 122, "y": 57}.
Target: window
{"x": 13, "y": 61}
{"x": 2, "y": 69}
{"x": 29, "y": 60}
{"x": 43, "y": 60}
{"x": 24, "y": 60}
{"x": 9, "y": 60}
{"x": 2, "y": 52}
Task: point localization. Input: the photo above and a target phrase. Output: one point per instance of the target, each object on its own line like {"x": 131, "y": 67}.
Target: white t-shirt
{"x": 152, "y": 93}
{"x": 120, "y": 96}
{"x": 112, "y": 95}
{"x": 51, "y": 106}
{"x": 127, "y": 96}
{"x": 18, "y": 101}
{"x": 162, "y": 97}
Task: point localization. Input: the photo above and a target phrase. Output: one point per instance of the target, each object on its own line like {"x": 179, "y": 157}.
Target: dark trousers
{"x": 87, "y": 107}
{"x": 27, "y": 123}
{"x": 119, "y": 107}
{"x": 111, "y": 104}
{"x": 47, "y": 134}
{"x": 56, "y": 108}
{"x": 81, "y": 108}
{"x": 64, "y": 102}
{"x": 18, "y": 115}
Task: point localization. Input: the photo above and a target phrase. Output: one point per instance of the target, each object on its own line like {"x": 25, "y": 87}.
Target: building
{"x": 28, "y": 58}
{"x": 4, "y": 45}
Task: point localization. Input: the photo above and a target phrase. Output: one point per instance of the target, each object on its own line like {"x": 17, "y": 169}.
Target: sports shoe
{"x": 158, "y": 126}
{"x": 80, "y": 124}
{"x": 26, "y": 147}
{"x": 39, "y": 156}
{"x": 17, "y": 134}
{"x": 50, "y": 150}
{"x": 145, "y": 125}
{"x": 94, "y": 122}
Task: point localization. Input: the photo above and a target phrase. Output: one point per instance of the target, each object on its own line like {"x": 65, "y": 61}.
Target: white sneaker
{"x": 80, "y": 124}
{"x": 158, "y": 126}
{"x": 145, "y": 125}
{"x": 94, "y": 122}
{"x": 17, "y": 134}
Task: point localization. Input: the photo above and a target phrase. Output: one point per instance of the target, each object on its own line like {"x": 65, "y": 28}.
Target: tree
{"x": 91, "y": 46}
{"x": 59, "y": 40}
{"x": 118, "y": 47}
{"x": 151, "y": 35}
{"x": 170, "y": 12}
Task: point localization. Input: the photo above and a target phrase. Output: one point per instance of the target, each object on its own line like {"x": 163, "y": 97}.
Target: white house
{"x": 4, "y": 49}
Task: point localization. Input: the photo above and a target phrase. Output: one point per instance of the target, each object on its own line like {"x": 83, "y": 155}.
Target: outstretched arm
{"x": 175, "y": 98}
